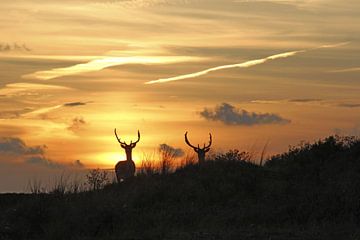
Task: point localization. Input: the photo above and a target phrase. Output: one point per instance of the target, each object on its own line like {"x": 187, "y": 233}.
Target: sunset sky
{"x": 248, "y": 71}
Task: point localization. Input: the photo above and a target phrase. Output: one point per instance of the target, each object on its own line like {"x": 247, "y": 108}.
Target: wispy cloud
{"x": 240, "y": 65}
{"x": 76, "y": 124}
{"x": 44, "y": 110}
{"x": 10, "y": 47}
{"x": 305, "y": 100}
{"x": 106, "y": 62}
{"x": 349, "y": 105}
{"x": 19, "y": 89}
{"x": 41, "y": 111}
{"x": 356, "y": 69}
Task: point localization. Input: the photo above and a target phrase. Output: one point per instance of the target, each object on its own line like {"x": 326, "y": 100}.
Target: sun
{"x": 109, "y": 159}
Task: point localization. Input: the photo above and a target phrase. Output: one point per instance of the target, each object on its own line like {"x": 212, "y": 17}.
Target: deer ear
{"x": 207, "y": 149}
{"x": 123, "y": 145}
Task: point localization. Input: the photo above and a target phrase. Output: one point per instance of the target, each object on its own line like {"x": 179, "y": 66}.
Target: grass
{"x": 310, "y": 192}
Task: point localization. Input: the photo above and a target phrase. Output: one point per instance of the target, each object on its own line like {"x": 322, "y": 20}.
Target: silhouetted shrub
{"x": 97, "y": 179}
{"x": 310, "y": 192}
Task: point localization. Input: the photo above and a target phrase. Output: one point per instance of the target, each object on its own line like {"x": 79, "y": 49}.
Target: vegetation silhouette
{"x": 126, "y": 169}
{"x": 200, "y": 151}
{"x": 309, "y": 192}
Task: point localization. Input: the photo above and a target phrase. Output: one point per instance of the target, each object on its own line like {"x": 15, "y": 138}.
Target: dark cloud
{"x": 175, "y": 152}
{"x": 353, "y": 131}
{"x": 76, "y": 124}
{"x": 17, "y": 146}
{"x": 230, "y": 115}
{"x": 78, "y": 163}
{"x": 305, "y": 100}
{"x": 41, "y": 160}
{"x": 8, "y": 47}
{"x": 75, "y": 104}
{"x": 349, "y": 105}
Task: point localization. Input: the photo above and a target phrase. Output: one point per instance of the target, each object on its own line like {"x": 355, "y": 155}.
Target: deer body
{"x": 126, "y": 169}
{"x": 201, "y": 152}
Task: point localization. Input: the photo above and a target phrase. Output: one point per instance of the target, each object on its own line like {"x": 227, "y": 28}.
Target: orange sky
{"x": 247, "y": 71}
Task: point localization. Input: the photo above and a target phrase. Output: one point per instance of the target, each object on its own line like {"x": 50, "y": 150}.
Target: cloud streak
{"x": 106, "y": 62}
{"x": 356, "y": 69}
{"x": 246, "y": 64}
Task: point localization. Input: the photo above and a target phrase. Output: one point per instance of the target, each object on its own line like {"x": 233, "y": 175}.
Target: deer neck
{"x": 128, "y": 154}
{"x": 201, "y": 157}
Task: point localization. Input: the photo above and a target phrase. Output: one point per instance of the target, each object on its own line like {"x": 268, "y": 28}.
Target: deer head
{"x": 200, "y": 151}
{"x": 128, "y": 147}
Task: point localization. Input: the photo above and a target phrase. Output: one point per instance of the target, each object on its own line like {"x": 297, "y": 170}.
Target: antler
{"x": 123, "y": 144}
{"x": 188, "y": 143}
{"x": 206, "y": 147}
{"x": 118, "y": 137}
{"x": 210, "y": 142}
{"x": 133, "y": 144}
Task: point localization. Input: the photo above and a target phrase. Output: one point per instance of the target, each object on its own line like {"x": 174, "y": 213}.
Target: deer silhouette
{"x": 126, "y": 169}
{"x": 200, "y": 151}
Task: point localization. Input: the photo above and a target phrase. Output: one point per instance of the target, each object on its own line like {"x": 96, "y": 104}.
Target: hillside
{"x": 310, "y": 192}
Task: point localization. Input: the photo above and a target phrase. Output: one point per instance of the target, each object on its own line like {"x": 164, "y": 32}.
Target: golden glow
{"x": 109, "y": 159}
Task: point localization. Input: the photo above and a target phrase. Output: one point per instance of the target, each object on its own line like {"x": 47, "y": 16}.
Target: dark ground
{"x": 310, "y": 192}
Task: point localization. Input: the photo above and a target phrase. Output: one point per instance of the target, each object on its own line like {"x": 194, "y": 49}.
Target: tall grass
{"x": 35, "y": 186}
{"x": 64, "y": 183}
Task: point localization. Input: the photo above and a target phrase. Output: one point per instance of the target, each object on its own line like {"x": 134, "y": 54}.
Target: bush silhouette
{"x": 310, "y": 192}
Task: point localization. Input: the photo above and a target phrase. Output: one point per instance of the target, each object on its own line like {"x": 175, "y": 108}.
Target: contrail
{"x": 241, "y": 65}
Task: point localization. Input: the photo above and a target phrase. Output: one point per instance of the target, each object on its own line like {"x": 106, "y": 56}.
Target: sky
{"x": 251, "y": 72}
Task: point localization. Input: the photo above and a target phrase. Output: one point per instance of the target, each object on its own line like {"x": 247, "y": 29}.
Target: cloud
{"x": 19, "y": 151}
{"x": 13, "y": 114}
{"x": 240, "y": 65}
{"x": 75, "y": 104}
{"x": 10, "y": 47}
{"x": 356, "y": 69}
{"x": 40, "y": 112}
{"x": 353, "y": 131}
{"x": 76, "y": 124}
{"x": 305, "y": 100}
{"x": 349, "y": 105}
{"x": 266, "y": 101}
{"x": 26, "y": 89}
{"x": 16, "y": 146}
{"x": 230, "y": 115}
{"x": 106, "y": 62}
{"x": 78, "y": 163}
{"x": 41, "y": 160}
{"x": 167, "y": 149}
